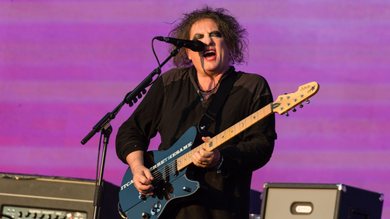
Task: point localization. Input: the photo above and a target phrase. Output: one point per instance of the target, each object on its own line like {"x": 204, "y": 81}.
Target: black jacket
{"x": 172, "y": 105}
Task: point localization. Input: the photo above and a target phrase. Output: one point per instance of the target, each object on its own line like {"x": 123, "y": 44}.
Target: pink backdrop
{"x": 64, "y": 64}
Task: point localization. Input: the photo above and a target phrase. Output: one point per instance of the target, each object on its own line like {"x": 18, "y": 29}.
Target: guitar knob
{"x": 156, "y": 208}
{"x": 145, "y": 215}
{"x": 153, "y": 211}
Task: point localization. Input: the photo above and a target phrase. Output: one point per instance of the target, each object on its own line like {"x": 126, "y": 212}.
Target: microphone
{"x": 194, "y": 45}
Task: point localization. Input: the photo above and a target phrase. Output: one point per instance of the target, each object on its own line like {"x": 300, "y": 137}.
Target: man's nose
{"x": 208, "y": 41}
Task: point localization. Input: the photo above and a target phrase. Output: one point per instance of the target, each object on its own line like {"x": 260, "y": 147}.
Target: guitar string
{"x": 170, "y": 168}
{"x": 165, "y": 170}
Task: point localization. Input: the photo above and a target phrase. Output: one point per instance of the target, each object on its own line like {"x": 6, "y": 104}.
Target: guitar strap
{"x": 217, "y": 102}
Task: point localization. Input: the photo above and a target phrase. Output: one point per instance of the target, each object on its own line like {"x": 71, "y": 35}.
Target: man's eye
{"x": 197, "y": 36}
{"x": 216, "y": 34}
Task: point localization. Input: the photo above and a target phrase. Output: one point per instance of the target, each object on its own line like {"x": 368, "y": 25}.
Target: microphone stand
{"x": 105, "y": 128}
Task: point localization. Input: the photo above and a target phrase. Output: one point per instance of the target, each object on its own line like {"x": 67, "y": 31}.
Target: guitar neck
{"x": 226, "y": 135}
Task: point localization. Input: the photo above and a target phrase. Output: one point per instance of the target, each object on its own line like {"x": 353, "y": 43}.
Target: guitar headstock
{"x": 287, "y": 102}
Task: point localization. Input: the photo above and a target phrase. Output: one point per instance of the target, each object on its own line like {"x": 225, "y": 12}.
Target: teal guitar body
{"x": 169, "y": 183}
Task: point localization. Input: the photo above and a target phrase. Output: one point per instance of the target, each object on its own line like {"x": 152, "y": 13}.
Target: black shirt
{"x": 173, "y": 104}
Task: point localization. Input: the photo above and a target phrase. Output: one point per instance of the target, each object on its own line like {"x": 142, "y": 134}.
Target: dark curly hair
{"x": 233, "y": 33}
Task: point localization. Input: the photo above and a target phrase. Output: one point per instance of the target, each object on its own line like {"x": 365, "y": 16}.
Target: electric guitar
{"x": 168, "y": 167}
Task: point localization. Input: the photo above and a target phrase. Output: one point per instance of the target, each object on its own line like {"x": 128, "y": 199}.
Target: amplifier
{"x": 43, "y": 197}
{"x": 319, "y": 201}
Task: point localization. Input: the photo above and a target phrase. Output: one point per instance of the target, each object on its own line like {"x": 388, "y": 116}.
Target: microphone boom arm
{"x": 131, "y": 98}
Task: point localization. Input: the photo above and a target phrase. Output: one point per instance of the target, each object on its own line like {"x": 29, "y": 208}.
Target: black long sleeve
{"x": 173, "y": 104}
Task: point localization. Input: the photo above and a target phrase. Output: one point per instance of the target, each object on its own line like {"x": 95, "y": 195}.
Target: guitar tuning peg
{"x": 307, "y": 101}
{"x": 300, "y": 105}
{"x": 294, "y": 110}
{"x": 287, "y": 115}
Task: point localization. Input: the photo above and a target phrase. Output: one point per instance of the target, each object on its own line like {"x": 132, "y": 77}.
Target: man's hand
{"x": 142, "y": 177}
{"x": 206, "y": 159}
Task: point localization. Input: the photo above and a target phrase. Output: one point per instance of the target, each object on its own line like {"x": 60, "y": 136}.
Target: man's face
{"x": 215, "y": 59}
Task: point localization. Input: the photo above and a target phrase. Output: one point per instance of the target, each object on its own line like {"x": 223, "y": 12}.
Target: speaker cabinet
{"x": 319, "y": 201}
{"x": 29, "y": 196}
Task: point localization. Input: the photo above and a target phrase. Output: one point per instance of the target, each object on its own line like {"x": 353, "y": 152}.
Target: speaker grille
{"x": 38, "y": 194}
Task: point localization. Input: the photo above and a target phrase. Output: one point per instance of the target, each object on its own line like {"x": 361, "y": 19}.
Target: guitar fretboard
{"x": 226, "y": 135}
